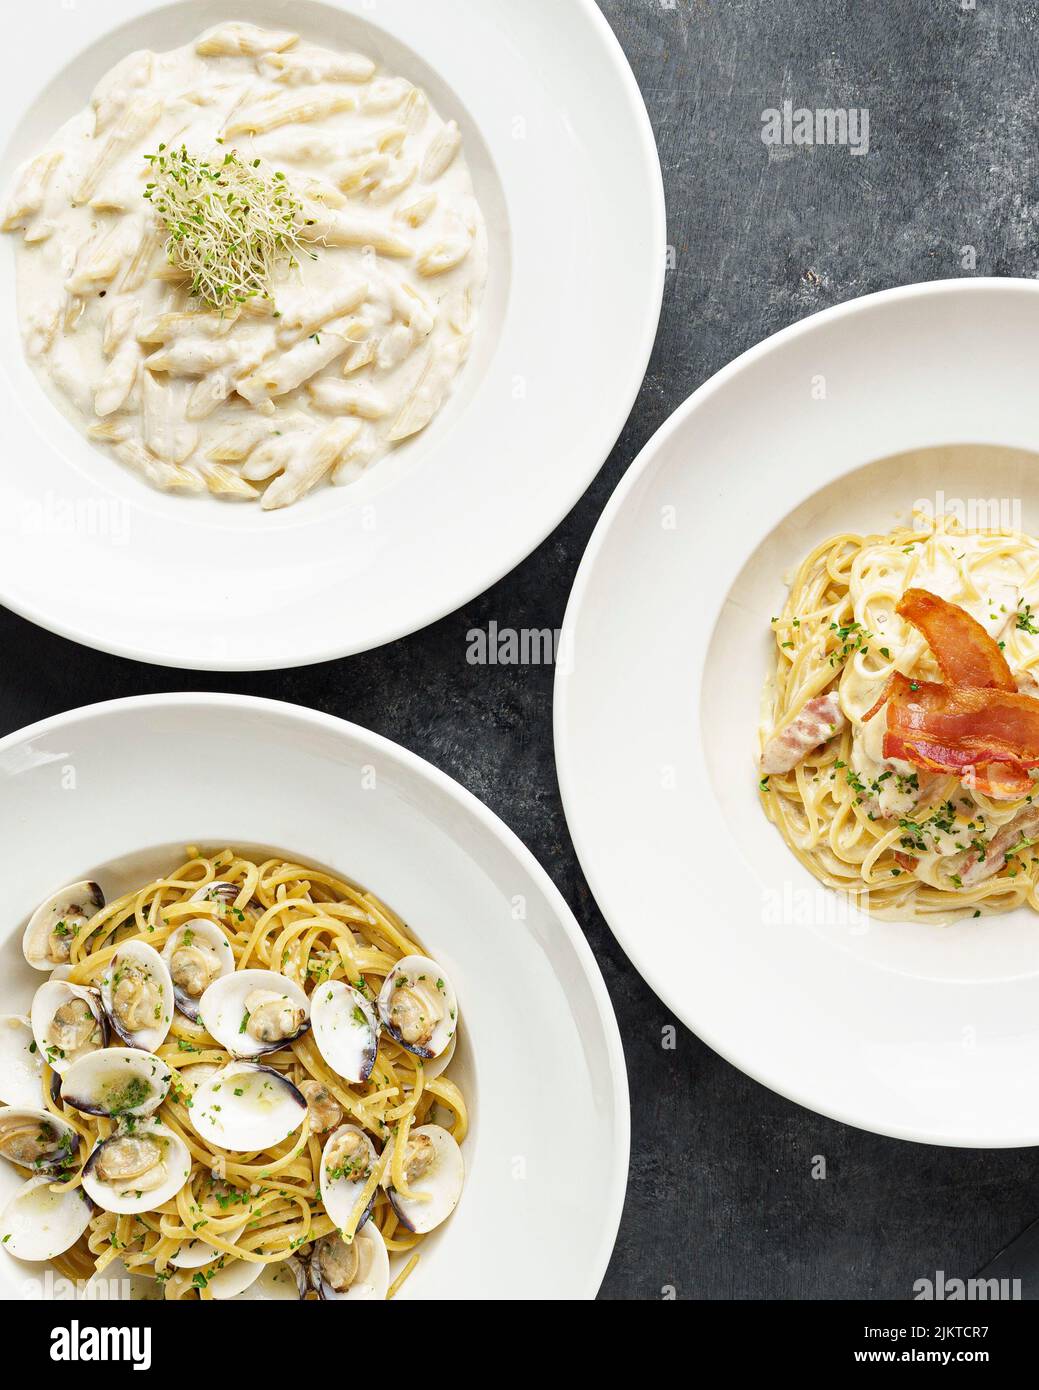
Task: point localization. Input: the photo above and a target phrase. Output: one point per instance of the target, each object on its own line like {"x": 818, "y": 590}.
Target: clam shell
{"x": 441, "y": 1185}
{"x": 283, "y": 1281}
{"x": 436, "y": 1066}
{"x": 373, "y": 1275}
{"x": 223, "y": 1013}
{"x": 46, "y": 1002}
{"x": 233, "y": 1278}
{"x": 425, "y": 975}
{"x": 73, "y": 905}
{"x": 62, "y": 1152}
{"x": 21, "y": 1065}
{"x": 140, "y": 954}
{"x": 116, "y": 1081}
{"x": 193, "y": 1254}
{"x": 123, "y": 1197}
{"x": 346, "y": 1030}
{"x": 340, "y": 1193}
{"x": 210, "y": 935}
{"x": 247, "y": 1107}
{"x": 38, "y": 1223}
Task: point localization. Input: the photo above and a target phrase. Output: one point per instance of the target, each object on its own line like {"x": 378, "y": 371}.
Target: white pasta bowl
{"x": 115, "y": 792}
{"x": 841, "y": 423}
{"x": 566, "y": 171}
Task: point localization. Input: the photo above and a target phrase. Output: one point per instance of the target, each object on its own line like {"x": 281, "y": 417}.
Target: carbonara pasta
{"x": 250, "y": 264}
{"x": 900, "y": 731}
{"x": 243, "y": 1066}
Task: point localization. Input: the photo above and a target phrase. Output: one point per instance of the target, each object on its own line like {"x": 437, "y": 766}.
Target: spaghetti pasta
{"x": 903, "y": 835}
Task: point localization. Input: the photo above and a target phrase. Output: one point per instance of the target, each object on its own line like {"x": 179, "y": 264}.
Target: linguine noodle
{"x": 311, "y": 927}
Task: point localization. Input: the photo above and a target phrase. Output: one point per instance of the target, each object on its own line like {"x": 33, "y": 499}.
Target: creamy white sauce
{"x": 996, "y": 579}
{"x": 362, "y": 344}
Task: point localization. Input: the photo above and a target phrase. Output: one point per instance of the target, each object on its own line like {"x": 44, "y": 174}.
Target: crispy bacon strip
{"x": 950, "y": 728}
{"x": 988, "y": 738}
{"x": 964, "y": 651}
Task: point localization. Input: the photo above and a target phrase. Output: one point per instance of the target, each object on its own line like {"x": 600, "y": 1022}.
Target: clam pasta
{"x": 241, "y": 1086}
{"x": 900, "y": 724}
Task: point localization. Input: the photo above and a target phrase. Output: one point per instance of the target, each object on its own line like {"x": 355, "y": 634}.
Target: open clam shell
{"x": 56, "y": 922}
{"x": 68, "y": 1023}
{"x": 436, "y": 1066}
{"x": 246, "y": 1107}
{"x": 346, "y": 1030}
{"x": 37, "y": 1140}
{"x": 137, "y": 1169}
{"x": 360, "y": 1270}
{"x": 417, "y": 1006}
{"x": 283, "y": 1281}
{"x": 21, "y": 1063}
{"x": 196, "y": 954}
{"x": 253, "y": 1012}
{"x": 233, "y": 1278}
{"x": 435, "y": 1174}
{"x": 346, "y": 1165}
{"x": 39, "y": 1222}
{"x": 137, "y": 994}
{"x": 193, "y": 1254}
{"x": 117, "y": 1081}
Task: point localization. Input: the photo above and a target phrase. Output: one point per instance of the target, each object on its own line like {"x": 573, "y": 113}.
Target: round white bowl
{"x": 566, "y": 169}
{"x": 116, "y": 791}
{"x": 842, "y": 422}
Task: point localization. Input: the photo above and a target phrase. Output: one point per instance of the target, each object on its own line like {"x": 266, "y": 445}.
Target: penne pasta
{"x": 162, "y": 475}
{"x": 281, "y": 374}
{"x": 337, "y": 397}
{"x": 295, "y": 69}
{"x": 279, "y": 111}
{"x": 225, "y": 482}
{"x": 193, "y": 356}
{"x": 237, "y": 40}
{"x": 131, "y": 127}
{"x": 101, "y": 259}
{"x": 357, "y": 229}
{"x": 441, "y": 152}
{"x": 120, "y": 87}
{"x": 301, "y": 312}
{"x": 308, "y": 463}
{"x": 255, "y": 263}
{"x": 163, "y": 425}
{"x": 30, "y": 189}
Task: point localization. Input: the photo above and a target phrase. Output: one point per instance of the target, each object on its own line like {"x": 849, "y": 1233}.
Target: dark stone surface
{"x": 722, "y": 1202}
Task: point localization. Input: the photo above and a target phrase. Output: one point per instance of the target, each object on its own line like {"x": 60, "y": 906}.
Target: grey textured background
{"x": 721, "y": 1201}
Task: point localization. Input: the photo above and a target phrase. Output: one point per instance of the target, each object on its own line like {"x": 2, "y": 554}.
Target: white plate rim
{"x": 604, "y": 428}
{"x": 410, "y": 762}
{"x": 654, "y": 976}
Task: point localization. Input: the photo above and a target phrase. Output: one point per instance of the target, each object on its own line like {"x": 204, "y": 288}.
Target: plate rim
{"x": 641, "y": 962}
{"x": 607, "y": 427}
{"x": 409, "y": 762}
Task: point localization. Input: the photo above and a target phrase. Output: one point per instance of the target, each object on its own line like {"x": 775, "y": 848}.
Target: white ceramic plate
{"x": 115, "y": 792}
{"x": 842, "y": 422}
{"x": 567, "y": 173}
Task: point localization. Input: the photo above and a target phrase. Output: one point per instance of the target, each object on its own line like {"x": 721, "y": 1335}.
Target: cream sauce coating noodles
{"x": 354, "y": 345}
{"x": 901, "y": 841}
